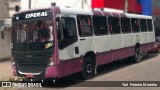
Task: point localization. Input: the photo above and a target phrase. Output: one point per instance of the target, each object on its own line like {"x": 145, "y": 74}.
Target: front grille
{"x": 32, "y": 62}
{"x": 30, "y": 69}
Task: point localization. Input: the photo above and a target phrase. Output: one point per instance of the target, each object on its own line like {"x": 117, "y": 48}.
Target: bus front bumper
{"x": 49, "y": 72}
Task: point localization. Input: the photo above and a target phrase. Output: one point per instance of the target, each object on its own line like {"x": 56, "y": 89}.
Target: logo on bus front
{"x": 29, "y": 56}
{"x": 39, "y": 14}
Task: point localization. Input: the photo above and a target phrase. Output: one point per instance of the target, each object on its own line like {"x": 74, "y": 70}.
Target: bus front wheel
{"x": 88, "y": 68}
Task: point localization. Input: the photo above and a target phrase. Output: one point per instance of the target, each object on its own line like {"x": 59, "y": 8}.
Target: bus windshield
{"x": 32, "y": 35}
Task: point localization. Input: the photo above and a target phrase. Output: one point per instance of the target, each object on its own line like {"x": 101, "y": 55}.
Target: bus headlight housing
{"x": 51, "y": 62}
{"x": 13, "y": 62}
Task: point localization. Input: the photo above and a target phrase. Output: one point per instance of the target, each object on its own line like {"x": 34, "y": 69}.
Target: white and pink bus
{"x": 56, "y": 42}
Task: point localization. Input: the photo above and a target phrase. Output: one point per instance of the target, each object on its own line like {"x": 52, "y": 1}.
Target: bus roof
{"x": 90, "y": 12}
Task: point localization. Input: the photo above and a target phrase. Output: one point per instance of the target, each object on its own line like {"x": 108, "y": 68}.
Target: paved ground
{"x": 5, "y": 70}
{"x": 147, "y": 70}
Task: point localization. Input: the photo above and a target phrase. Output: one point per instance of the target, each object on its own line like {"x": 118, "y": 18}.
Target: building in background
{"x": 8, "y": 8}
{"x": 133, "y": 6}
{"x": 6, "y": 12}
{"x": 156, "y": 15}
{"x": 61, "y": 3}
{"x": 78, "y": 4}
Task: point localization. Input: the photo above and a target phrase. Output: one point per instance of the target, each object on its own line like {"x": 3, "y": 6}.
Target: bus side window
{"x": 100, "y": 25}
{"x": 67, "y": 34}
{"x": 84, "y": 25}
{"x": 135, "y": 25}
{"x": 115, "y": 25}
{"x": 125, "y": 23}
{"x": 149, "y": 24}
{"x": 143, "y": 25}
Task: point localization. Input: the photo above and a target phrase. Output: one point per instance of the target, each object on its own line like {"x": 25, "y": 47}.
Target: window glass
{"x": 149, "y": 24}
{"x": 135, "y": 25}
{"x": 32, "y": 35}
{"x": 125, "y": 23}
{"x": 143, "y": 25}
{"x": 114, "y": 26}
{"x": 100, "y": 25}
{"x": 67, "y": 34}
{"x": 84, "y": 25}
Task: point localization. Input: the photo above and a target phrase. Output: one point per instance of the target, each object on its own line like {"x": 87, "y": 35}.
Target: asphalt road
{"x": 147, "y": 70}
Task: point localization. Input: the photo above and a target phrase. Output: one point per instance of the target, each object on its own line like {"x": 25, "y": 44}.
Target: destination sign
{"x": 32, "y": 14}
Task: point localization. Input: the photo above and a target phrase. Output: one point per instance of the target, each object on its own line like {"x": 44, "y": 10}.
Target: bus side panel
{"x": 65, "y": 68}
{"x": 129, "y": 51}
{"x": 145, "y": 47}
{"x": 151, "y": 36}
{"x": 104, "y": 58}
{"x": 103, "y": 47}
{"x": 52, "y": 72}
{"x": 128, "y": 40}
{"x": 128, "y": 45}
{"x": 70, "y": 66}
{"x": 102, "y": 43}
{"x": 116, "y": 41}
{"x": 117, "y": 47}
{"x": 144, "y": 37}
{"x": 136, "y": 38}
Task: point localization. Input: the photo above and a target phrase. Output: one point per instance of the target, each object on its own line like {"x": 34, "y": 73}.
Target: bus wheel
{"x": 88, "y": 68}
{"x": 137, "y": 57}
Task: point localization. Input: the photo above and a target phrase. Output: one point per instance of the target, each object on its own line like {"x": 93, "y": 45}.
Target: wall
{"x": 62, "y": 3}
{"x": 2, "y": 10}
{"x": 5, "y": 45}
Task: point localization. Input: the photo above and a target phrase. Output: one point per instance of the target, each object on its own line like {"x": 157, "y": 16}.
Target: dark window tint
{"x": 114, "y": 26}
{"x": 66, "y": 31}
{"x": 32, "y": 35}
{"x": 135, "y": 25}
{"x": 143, "y": 25}
{"x": 100, "y": 25}
{"x": 84, "y": 25}
{"x": 149, "y": 24}
{"x": 125, "y": 23}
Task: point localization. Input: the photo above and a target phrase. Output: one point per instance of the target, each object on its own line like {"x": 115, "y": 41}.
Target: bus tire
{"x": 88, "y": 71}
{"x": 137, "y": 57}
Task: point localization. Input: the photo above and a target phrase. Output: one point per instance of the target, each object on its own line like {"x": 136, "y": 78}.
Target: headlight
{"x": 13, "y": 62}
{"x": 51, "y": 63}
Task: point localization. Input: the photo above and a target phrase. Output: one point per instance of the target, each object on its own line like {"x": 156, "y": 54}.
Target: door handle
{"x": 76, "y": 50}
{"x": 82, "y": 39}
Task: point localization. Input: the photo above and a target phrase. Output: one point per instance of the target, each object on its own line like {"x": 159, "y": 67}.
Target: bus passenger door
{"x": 86, "y": 41}
{"x": 67, "y": 37}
